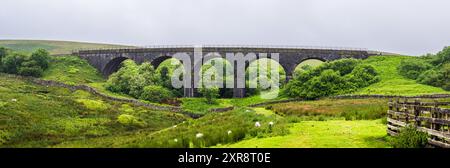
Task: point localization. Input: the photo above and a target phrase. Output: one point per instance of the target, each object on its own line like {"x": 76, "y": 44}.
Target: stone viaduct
{"x": 108, "y": 61}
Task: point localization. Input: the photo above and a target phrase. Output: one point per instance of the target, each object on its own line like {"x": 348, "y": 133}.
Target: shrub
{"x": 3, "y": 53}
{"x": 18, "y": 63}
{"x": 30, "y": 68}
{"x": 41, "y": 57}
{"x": 441, "y": 57}
{"x": 431, "y": 77}
{"x": 344, "y": 66}
{"x": 121, "y": 80}
{"x": 155, "y": 93}
{"x": 337, "y": 77}
{"x": 129, "y": 120}
{"x": 210, "y": 94}
{"x": 410, "y": 137}
{"x": 12, "y": 62}
{"x": 363, "y": 75}
{"x": 412, "y": 68}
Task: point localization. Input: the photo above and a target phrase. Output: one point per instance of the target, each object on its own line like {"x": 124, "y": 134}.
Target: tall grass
{"x": 222, "y": 128}
{"x": 349, "y": 109}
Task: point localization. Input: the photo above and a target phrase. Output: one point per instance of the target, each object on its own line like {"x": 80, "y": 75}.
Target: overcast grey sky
{"x": 405, "y": 26}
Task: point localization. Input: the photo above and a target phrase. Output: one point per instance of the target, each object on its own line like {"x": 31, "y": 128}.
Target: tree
{"x": 210, "y": 94}
{"x": 442, "y": 57}
{"x": 431, "y": 77}
{"x": 41, "y": 56}
{"x": 3, "y": 53}
{"x": 155, "y": 94}
{"x": 332, "y": 78}
{"x": 412, "y": 68}
{"x": 30, "y": 68}
{"x": 145, "y": 76}
{"x": 122, "y": 79}
{"x": 12, "y": 62}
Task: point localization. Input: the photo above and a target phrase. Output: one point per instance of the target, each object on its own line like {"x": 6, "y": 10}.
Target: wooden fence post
{"x": 416, "y": 112}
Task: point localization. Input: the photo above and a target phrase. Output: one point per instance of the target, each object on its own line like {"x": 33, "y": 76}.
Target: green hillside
{"x": 38, "y": 116}
{"x": 54, "y": 47}
{"x": 392, "y": 83}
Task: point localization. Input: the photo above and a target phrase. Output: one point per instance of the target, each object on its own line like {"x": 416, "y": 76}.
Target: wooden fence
{"x": 429, "y": 117}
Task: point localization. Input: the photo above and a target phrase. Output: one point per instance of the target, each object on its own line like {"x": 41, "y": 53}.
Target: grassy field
{"x": 324, "y": 134}
{"x": 38, "y": 116}
{"x": 349, "y": 109}
{"x": 392, "y": 83}
{"x": 54, "y": 47}
{"x": 216, "y": 128}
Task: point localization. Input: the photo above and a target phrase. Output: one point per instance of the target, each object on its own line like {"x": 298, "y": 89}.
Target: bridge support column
{"x": 188, "y": 92}
{"x": 239, "y": 92}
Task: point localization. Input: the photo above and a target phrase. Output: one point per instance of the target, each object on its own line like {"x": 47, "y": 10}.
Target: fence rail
{"x": 427, "y": 117}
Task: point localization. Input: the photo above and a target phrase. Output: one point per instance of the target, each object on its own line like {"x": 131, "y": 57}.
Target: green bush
{"x": 3, "y": 52}
{"x": 22, "y": 64}
{"x": 431, "y": 69}
{"x": 363, "y": 75}
{"x": 121, "y": 80}
{"x": 12, "y": 62}
{"x": 30, "y": 68}
{"x": 410, "y": 137}
{"x": 129, "y": 120}
{"x": 211, "y": 94}
{"x": 412, "y": 68}
{"x": 337, "y": 77}
{"x": 441, "y": 57}
{"x": 155, "y": 93}
{"x": 431, "y": 77}
{"x": 139, "y": 81}
{"x": 41, "y": 57}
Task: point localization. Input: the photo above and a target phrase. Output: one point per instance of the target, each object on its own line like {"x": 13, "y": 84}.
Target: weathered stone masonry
{"x": 107, "y": 61}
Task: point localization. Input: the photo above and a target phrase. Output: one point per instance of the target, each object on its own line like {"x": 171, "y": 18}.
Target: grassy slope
{"x": 54, "y": 47}
{"x": 324, "y": 134}
{"x": 213, "y": 126}
{"x": 392, "y": 83}
{"x": 38, "y": 116}
{"x": 71, "y": 70}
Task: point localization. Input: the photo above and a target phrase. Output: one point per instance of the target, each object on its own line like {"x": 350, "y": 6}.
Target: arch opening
{"x": 263, "y": 66}
{"x": 308, "y": 64}
{"x": 157, "y": 61}
{"x": 113, "y": 66}
{"x": 210, "y": 75}
{"x": 166, "y": 70}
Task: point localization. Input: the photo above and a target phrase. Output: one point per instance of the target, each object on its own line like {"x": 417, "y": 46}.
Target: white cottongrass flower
{"x": 229, "y": 132}
{"x": 175, "y": 140}
{"x": 199, "y": 135}
{"x": 175, "y": 126}
{"x": 271, "y": 123}
{"x": 14, "y": 100}
{"x": 247, "y": 111}
{"x": 257, "y": 124}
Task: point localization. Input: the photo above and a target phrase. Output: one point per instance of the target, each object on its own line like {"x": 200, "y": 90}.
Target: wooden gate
{"x": 430, "y": 117}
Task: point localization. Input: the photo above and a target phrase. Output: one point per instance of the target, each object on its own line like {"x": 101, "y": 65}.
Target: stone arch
{"x": 308, "y": 59}
{"x": 113, "y": 66}
{"x": 158, "y": 60}
{"x": 282, "y": 80}
{"x": 228, "y": 71}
